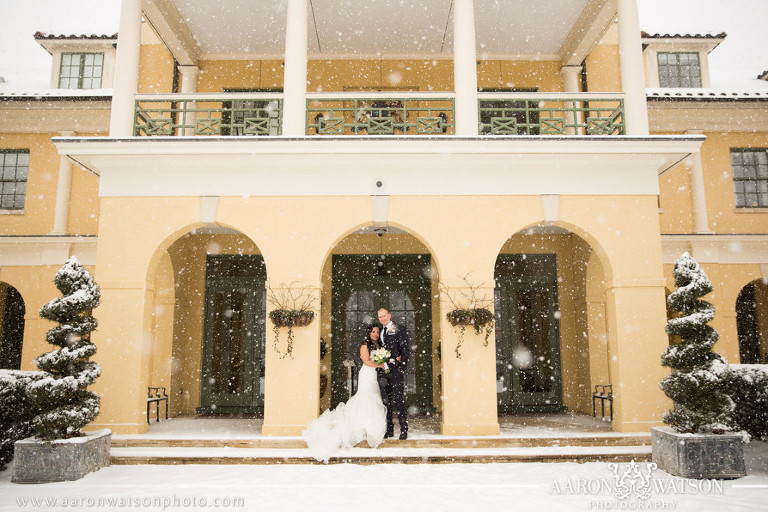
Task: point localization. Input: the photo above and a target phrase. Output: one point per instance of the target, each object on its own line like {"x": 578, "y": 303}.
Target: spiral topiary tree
{"x": 695, "y": 384}
{"x": 62, "y": 396}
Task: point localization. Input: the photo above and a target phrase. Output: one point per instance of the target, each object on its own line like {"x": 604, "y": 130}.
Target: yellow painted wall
{"x": 603, "y": 69}
{"x": 343, "y": 75}
{"x": 39, "y": 205}
{"x": 724, "y": 217}
{"x": 675, "y": 200}
{"x": 188, "y": 256}
{"x": 572, "y": 254}
{"x": 35, "y": 284}
{"x": 727, "y": 282}
{"x": 155, "y": 69}
{"x": 40, "y": 202}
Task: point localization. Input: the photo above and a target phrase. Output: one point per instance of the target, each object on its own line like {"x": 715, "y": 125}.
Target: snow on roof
{"x": 44, "y": 35}
{"x": 751, "y": 90}
{"x": 646, "y": 35}
{"x": 55, "y": 94}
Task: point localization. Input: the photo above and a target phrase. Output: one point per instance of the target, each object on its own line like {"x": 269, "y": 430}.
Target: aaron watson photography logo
{"x": 634, "y": 487}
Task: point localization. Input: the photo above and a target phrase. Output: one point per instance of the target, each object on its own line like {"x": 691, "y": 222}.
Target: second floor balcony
{"x": 379, "y": 113}
{"x": 347, "y": 70}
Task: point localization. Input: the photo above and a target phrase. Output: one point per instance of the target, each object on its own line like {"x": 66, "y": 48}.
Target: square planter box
{"x": 698, "y": 455}
{"x": 37, "y": 461}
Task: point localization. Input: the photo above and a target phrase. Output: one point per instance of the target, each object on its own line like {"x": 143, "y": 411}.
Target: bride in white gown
{"x": 363, "y": 417}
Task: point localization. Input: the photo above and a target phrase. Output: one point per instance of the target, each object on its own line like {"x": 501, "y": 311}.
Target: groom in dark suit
{"x": 394, "y": 338}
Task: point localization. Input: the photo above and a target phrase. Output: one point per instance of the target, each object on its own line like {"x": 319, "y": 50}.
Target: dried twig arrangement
{"x": 294, "y": 307}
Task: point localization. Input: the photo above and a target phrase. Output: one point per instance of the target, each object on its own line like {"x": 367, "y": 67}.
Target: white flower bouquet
{"x": 381, "y": 356}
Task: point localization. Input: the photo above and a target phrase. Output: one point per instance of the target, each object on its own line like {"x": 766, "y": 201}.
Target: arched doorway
{"x": 752, "y": 322}
{"x": 543, "y": 322}
{"x": 12, "y": 310}
{"x": 209, "y": 325}
{"x": 368, "y": 270}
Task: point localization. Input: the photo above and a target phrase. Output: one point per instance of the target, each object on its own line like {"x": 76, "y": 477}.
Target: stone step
{"x": 228, "y": 455}
{"x": 436, "y": 442}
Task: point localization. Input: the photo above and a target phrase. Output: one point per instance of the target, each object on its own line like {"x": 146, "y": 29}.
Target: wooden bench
{"x": 157, "y": 395}
{"x": 604, "y": 393}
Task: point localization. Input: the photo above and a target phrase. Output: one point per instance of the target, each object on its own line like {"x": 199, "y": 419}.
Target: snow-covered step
{"x": 438, "y": 442}
{"x": 402, "y": 455}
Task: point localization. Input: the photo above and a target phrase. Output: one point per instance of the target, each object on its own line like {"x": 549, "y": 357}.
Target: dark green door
{"x": 233, "y": 335}
{"x": 528, "y": 369}
{"x": 361, "y": 285}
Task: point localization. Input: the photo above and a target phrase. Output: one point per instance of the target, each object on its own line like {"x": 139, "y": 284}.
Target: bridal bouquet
{"x": 381, "y": 356}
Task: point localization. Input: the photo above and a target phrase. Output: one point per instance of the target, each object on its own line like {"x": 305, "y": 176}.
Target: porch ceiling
{"x": 371, "y": 27}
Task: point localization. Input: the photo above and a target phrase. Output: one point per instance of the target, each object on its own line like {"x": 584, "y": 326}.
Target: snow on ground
{"x": 369, "y": 488}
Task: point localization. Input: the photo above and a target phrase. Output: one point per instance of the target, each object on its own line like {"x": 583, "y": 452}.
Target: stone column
{"x": 570, "y": 75}
{"x": 189, "y": 76}
{"x": 63, "y": 191}
{"x": 636, "y": 316}
{"x": 632, "y": 76}
{"x": 698, "y": 191}
{"x": 469, "y": 382}
{"x": 465, "y": 68}
{"x": 295, "y": 70}
{"x": 292, "y": 382}
{"x": 126, "y": 70}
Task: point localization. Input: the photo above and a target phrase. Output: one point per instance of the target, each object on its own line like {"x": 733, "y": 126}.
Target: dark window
{"x": 679, "y": 70}
{"x": 14, "y": 165}
{"x": 750, "y": 177}
{"x": 81, "y": 70}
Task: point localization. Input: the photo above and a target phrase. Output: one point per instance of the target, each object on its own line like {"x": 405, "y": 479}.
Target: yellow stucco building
{"x": 207, "y": 160}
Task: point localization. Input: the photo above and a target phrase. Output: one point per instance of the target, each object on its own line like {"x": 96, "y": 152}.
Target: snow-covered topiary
{"x": 747, "y": 385}
{"x": 16, "y": 410}
{"x": 695, "y": 385}
{"x": 64, "y": 403}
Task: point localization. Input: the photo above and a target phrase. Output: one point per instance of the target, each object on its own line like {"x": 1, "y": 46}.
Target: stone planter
{"x": 37, "y": 461}
{"x": 698, "y": 455}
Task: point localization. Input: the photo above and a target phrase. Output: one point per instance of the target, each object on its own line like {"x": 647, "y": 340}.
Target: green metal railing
{"x": 380, "y": 114}
{"x": 204, "y": 114}
{"x": 388, "y": 113}
{"x": 551, "y": 114}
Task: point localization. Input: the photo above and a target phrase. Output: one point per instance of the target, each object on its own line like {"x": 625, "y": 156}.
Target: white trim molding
{"x": 407, "y": 166}
{"x": 724, "y": 249}
{"x": 34, "y": 251}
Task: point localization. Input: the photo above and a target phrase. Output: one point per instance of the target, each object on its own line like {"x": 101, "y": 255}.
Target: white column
{"x": 698, "y": 194}
{"x": 295, "y": 71}
{"x": 63, "y": 190}
{"x": 570, "y": 75}
{"x": 126, "y": 69}
{"x": 632, "y": 76}
{"x": 189, "y": 76}
{"x": 465, "y": 67}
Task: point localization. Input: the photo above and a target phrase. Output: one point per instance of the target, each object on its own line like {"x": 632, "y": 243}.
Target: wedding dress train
{"x": 363, "y": 417}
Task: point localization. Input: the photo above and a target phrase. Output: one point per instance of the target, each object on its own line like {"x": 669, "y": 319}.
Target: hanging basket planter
{"x": 479, "y": 318}
{"x": 289, "y": 318}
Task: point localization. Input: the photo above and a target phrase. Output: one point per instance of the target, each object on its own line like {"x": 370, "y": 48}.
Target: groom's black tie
{"x": 384, "y": 335}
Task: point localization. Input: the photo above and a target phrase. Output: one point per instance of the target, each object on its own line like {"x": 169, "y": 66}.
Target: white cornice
{"x": 311, "y": 166}
{"x": 717, "y": 248}
{"x": 33, "y": 251}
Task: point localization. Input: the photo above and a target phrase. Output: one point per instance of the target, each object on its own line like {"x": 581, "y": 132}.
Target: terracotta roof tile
{"x": 43, "y": 35}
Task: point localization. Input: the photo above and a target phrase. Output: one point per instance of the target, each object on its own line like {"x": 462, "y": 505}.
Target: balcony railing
{"x": 390, "y": 113}
{"x": 207, "y": 114}
{"x": 551, "y": 114}
{"x": 380, "y": 114}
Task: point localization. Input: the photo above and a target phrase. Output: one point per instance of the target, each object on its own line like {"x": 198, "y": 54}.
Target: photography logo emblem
{"x": 633, "y": 482}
